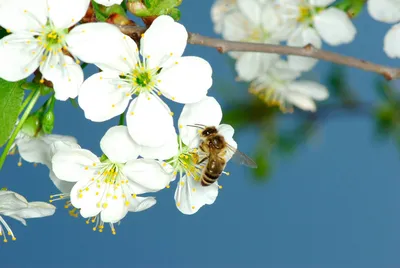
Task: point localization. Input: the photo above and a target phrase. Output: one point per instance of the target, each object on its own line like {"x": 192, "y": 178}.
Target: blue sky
{"x": 334, "y": 203}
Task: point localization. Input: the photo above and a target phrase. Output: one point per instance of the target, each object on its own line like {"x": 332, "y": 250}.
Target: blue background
{"x": 334, "y": 203}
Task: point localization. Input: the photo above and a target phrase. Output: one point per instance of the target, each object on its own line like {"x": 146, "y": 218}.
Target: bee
{"x": 214, "y": 146}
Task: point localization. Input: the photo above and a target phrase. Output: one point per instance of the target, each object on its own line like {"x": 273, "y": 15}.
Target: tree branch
{"x": 310, "y": 51}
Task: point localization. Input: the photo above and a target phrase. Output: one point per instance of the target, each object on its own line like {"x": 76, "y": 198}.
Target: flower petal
{"x": 321, "y": 3}
{"x": 141, "y": 203}
{"x": 282, "y": 71}
{"x": 392, "y": 41}
{"x": 187, "y": 81}
{"x": 74, "y": 164}
{"x": 102, "y": 43}
{"x": 10, "y": 201}
{"x": 384, "y": 10}
{"x": 20, "y": 56}
{"x": 118, "y": 145}
{"x": 206, "y": 112}
{"x": 33, "y": 210}
{"x": 23, "y": 15}
{"x": 300, "y": 38}
{"x": 66, "y": 76}
{"x": 146, "y": 176}
{"x": 218, "y": 10}
{"x": 108, "y": 3}
{"x": 173, "y": 37}
{"x": 64, "y": 187}
{"x": 149, "y": 120}
{"x": 301, "y": 101}
{"x": 310, "y": 88}
{"x": 116, "y": 209}
{"x": 227, "y": 131}
{"x": 251, "y": 9}
{"x": 334, "y": 26}
{"x": 251, "y": 64}
{"x": 63, "y": 14}
{"x": 34, "y": 150}
{"x": 168, "y": 150}
{"x": 87, "y": 201}
{"x": 100, "y": 97}
{"x": 236, "y": 27}
{"x": 190, "y": 195}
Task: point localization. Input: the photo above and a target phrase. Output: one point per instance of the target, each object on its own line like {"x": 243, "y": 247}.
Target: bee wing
{"x": 241, "y": 158}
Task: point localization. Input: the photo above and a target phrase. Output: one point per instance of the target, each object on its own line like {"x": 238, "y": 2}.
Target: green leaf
{"x": 11, "y": 96}
{"x": 352, "y": 7}
{"x": 100, "y": 16}
{"x": 154, "y": 8}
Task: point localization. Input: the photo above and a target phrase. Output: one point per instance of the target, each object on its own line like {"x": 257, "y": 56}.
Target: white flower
{"x": 388, "y": 11}
{"x": 40, "y": 38}
{"x": 161, "y": 71}
{"x": 190, "y": 195}
{"x": 311, "y": 20}
{"x": 107, "y": 188}
{"x": 257, "y": 22}
{"x": 218, "y": 10}
{"x": 17, "y": 207}
{"x": 36, "y": 149}
{"x": 279, "y": 87}
{"x": 108, "y": 2}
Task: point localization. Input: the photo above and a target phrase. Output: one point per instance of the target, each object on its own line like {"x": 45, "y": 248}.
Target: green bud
{"x": 32, "y": 125}
{"x": 48, "y": 122}
{"x": 175, "y": 14}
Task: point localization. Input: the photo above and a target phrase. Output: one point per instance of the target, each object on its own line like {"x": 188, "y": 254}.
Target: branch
{"x": 309, "y": 50}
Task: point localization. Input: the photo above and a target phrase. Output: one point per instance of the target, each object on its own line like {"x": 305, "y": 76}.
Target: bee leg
{"x": 202, "y": 160}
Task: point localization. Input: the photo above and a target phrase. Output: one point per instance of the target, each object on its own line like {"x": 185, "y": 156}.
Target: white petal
{"x": 19, "y": 59}
{"x": 146, "y": 176}
{"x": 302, "y": 101}
{"x": 191, "y": 196}
{"x": 64, "y": 15}
{"x": 392, "y": 42}
{"x": 141, "y": 203}
{"x": 34, "y": 150}
{"x": 281, "y": 70}
{"x": 206, "y": 112}
{"x": 218, "y": 10}
{"x": 168, "y": 150}
{"x": 64, "y": 187}
{"x": 116, "y": 208}
{"x": 23, "y": 15}
{"x": 334, "y": 26}
{"x": 384, "y": 10}
{"x": 118, "y": 145}
{"x": 87, "y": 201}
{"x": 10, "y": 201}
{"x": 100, "y": 97}
{"x": 74, "y": 164}
{"x": 65, "y": 74}
{"x": 33, "y": 210}
{"x": 173, "y": 37}
{"x": 187, "y": 81}
{"x": 227, "y": 131}
{"x": 149, "y": 120}
{"x": 310, "y": 88}
{"x": 108, "y": 3}
{"x": 236, "y": 27}
{"x": 300, "y": 38}
{"x": 59, "y": 142}
{"x": 321, "y": 3}
{"x": 251, "y": 64}
{"x": 112, "y": 48}
{"x": 251, "y": 9}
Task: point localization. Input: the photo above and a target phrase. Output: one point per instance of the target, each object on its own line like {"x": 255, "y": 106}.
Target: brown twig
{"x": 224, "y": 46}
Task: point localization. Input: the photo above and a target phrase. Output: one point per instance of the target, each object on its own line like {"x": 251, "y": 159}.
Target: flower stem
{"x": 32, "y": 103}
{"x": 122, "y": 119}
{"x": 26, "y": 101}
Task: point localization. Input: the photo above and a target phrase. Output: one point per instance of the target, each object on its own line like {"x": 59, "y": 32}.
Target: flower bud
{"x": 32, "y": 125}
{"x": 137, "y": 8}
{"x": 48, "y": 122}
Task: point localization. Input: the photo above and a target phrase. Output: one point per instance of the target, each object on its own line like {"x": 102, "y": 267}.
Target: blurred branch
{"x": 309, "y": 50}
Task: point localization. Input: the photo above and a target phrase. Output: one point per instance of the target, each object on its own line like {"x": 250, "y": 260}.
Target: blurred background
{"x": 326, "y": 194}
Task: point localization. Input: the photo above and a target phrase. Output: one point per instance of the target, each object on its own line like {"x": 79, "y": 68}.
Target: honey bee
{"x": 215, "y": 147}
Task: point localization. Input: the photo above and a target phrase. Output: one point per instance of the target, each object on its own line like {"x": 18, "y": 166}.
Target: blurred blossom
{"x": 218, "y": 10}
{"x": 257, "y": 22}
{"x": 15, "y": 206}
{"x": 278, "y": 87}
{"x": 388, "y": 11}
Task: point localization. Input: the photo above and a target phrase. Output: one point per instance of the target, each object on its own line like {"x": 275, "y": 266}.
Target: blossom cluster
{"x": 147, "y": 154}
{"x": 298, "y": 23}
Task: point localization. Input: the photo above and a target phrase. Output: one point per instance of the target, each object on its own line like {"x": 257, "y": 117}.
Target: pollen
{"x": 105, "y": 205}
{"x": 220, "y": 186}
{"x": 194, "y": 190}
{"x": 193, "y": 207}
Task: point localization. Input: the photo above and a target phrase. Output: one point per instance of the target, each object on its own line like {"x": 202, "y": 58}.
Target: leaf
{"x": 11, "y": 96}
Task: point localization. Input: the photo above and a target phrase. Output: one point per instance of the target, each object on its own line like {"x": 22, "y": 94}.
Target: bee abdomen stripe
{"x": 211, "y": 176}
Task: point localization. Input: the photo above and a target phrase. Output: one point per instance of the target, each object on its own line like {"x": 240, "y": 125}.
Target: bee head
{"x": 209, "y": 131}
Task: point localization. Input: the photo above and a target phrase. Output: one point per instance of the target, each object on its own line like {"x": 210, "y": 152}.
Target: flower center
{"x": 142, "y": 78}
{"x": 271, "y": 95}
{"x": 52, "y": 39}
